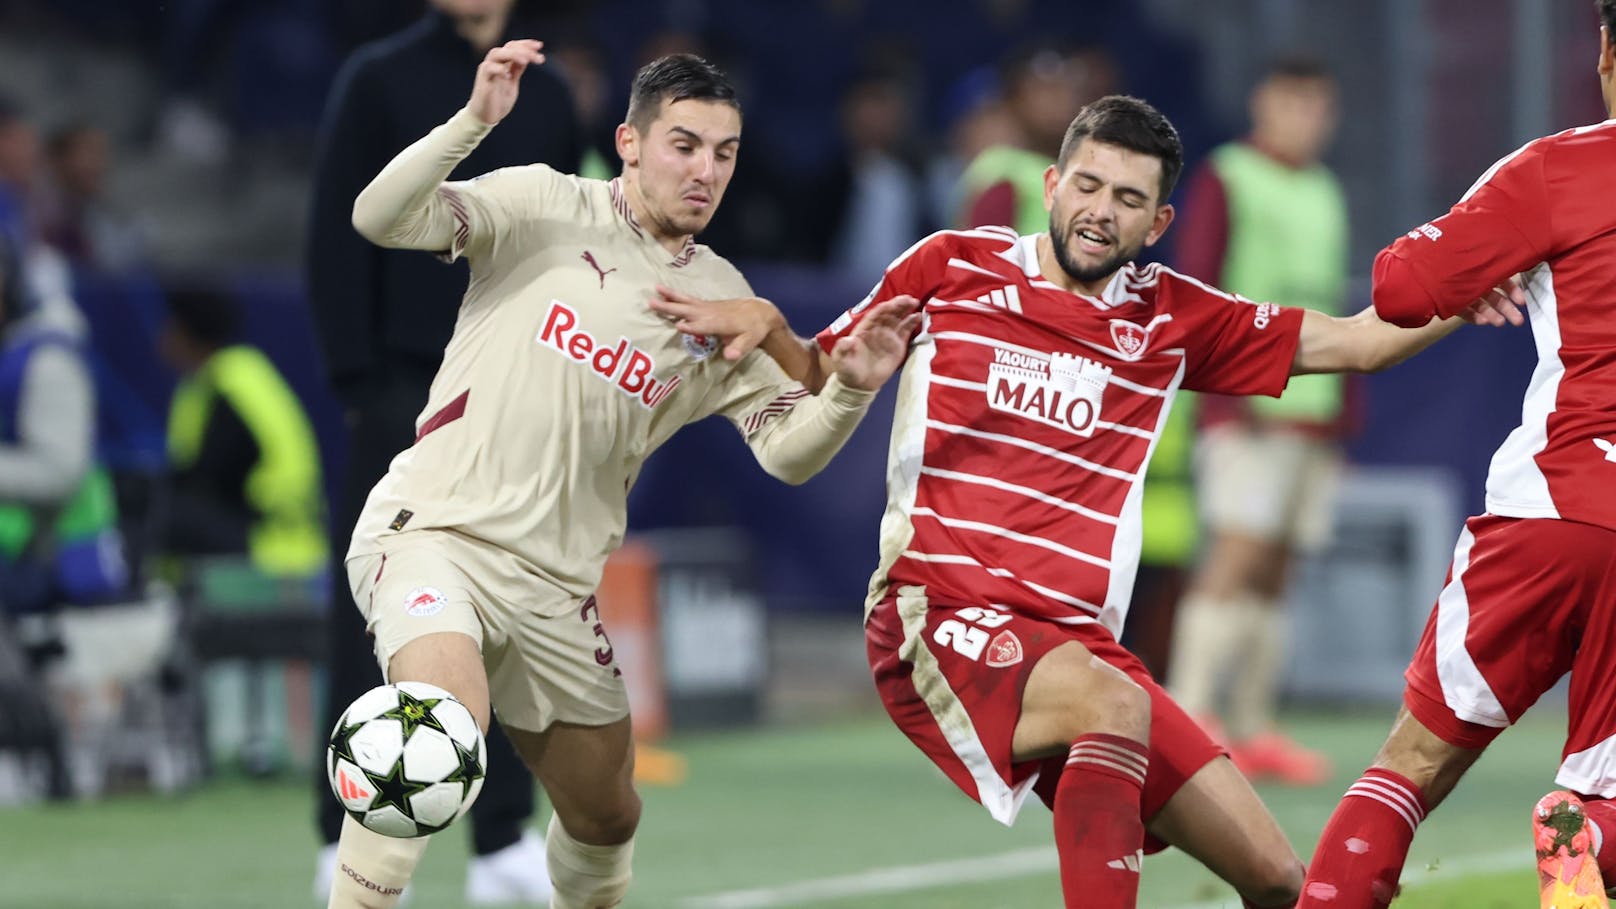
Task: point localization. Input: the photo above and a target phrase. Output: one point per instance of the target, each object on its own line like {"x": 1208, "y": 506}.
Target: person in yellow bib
{"x": 1266, "y": 219}
{"x": 246, "y": 466}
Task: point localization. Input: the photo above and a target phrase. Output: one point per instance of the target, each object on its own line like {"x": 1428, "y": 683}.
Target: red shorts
{"x": 1527, "y": 600}
{"x": 952, "y": 678}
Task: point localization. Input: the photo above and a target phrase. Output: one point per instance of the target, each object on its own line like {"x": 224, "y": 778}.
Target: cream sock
{"x": 1254, "y": 691}
{"x": 586, "y": 877}
{"x": 1206, "y": 637}
{"x": 372, "y": 870}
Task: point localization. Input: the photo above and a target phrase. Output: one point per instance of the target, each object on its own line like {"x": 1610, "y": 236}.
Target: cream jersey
{"x": 559, "y": 380}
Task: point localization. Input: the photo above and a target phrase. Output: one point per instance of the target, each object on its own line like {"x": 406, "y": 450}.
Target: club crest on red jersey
{"x": 1130, "y": 339}
{"x": 1005, "y": 650}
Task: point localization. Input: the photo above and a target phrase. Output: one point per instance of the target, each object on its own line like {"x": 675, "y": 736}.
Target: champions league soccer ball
{"x": 406, "y": 759}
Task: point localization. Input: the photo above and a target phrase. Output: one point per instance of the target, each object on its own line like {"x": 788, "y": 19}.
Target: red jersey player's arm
{"x": 1361, "y": 343}
{"x": 1499, "y": 229}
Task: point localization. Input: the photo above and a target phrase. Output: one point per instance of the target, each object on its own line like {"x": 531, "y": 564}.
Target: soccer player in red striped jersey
{"x": 1030, "y": 403}
{"x": 1532, "y": 591}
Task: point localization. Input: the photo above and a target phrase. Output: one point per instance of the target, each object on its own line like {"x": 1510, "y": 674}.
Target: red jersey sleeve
{"x": 1233, "y": 346}
{"x": 1500, "y": 228}
{"x": 917, "y": 272}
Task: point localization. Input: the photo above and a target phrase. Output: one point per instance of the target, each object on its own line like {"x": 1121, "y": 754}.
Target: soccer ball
{"x": 406, "y": 759}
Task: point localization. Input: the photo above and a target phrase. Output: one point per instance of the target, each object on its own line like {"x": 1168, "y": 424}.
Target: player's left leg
{"x": 1217, "y": 818}
{"x": 1364, "y": 845}
{"x": 1508, "y": 624}
{"x": 588, "y": 772}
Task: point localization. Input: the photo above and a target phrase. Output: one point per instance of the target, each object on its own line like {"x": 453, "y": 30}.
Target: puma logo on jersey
{"x": 1128, "y": 862}
{"x": 627, "y": 367}
{"x": 1006, "y": 297}
{"x": 1609, "y": 448}
{"x": 1060, "y": 390}
{"x": 603, "y": 272}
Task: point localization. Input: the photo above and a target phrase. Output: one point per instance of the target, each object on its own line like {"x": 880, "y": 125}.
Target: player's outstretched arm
{"x": 864, "y": 360}
{"x": 1366, "y": 343}
{"x": 401, "y": 207}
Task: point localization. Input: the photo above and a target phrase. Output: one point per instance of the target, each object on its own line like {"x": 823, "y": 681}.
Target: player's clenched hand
{"x": 878, "y": 344}
{"x": 1501, "y": 306}
{"x": 493, "y": 94}
{"x": 742, "y": 323}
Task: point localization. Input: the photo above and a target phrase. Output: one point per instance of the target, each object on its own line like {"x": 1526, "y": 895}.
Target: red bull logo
{"x": 624, "y": 365}
{"x": 425, "y": 601}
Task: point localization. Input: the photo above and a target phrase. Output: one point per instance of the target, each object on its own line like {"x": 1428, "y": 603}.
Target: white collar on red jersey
{"x": 1025, "y": 254}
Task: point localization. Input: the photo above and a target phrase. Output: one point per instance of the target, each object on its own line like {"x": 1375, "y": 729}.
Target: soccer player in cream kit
{"x": 476, "y": 557}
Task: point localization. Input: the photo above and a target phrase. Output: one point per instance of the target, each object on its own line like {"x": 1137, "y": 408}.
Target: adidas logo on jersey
{"x": 1060, "y": 390}
{"x": 627, "y": 367}
{"x": 1006, "y": 297}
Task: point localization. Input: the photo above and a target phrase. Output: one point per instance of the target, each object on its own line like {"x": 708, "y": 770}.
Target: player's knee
{"x": 607, "y": 824}
{"x": 1116, "y": 704}
{"x": 1277, "y": 881}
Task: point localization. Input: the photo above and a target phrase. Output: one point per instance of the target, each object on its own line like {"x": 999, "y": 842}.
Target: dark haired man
{"x": 1030, "y": 405}
{"x": 1266, "y": 219}
{"x": 1531, "y": 595}
{"x": 476, "y": 558}
{"x": 383, "y": 317}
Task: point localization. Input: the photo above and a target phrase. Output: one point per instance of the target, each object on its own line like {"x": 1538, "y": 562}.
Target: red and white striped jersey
{"x": 1547, "y": 212}
{"x": 1027, "y": 415}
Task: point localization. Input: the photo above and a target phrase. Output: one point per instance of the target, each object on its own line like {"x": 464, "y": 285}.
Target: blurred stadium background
{"x": 797, "y": 792}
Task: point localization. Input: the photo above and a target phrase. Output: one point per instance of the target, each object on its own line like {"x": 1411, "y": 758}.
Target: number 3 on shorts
{"x": 967, "y": 641}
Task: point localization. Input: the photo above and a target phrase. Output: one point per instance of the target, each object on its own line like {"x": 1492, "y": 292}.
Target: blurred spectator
{"x": 78, "y": 221}
{"x": 19, "y": 175}
{"x": 384, "y": 317}
{"x": 581, "y": 63}
{"x": 1264, "y": 219}
{"x": 1044, "y": 86}
{"x": 246, "y": 468}
{"x": 884, "y": 200}
{"x": 59, "y": 540}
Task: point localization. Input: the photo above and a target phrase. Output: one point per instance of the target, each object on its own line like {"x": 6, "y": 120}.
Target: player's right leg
{"x": 418, "y": 605}
{"x": 1075, "y": 702}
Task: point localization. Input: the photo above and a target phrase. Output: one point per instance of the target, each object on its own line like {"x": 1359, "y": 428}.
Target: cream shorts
{"x": 546, "y": 652}
{"x": 1277, "y": 485}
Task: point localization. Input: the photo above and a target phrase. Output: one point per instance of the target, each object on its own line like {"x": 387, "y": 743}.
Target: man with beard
{"x": 1033, "y": 397}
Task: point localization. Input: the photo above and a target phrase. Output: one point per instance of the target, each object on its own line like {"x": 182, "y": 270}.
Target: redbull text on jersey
{"x": 624, "y": 365}
{"x": 1059, "y": 390}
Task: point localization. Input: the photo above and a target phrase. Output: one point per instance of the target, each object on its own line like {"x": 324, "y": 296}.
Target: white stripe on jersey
{"x": 1591, "y": 770}
{"x": 1053, "y": 594}
{"x": 1055, "y": 453}
{"x": 1464, "y": 689}
{"x": 1019, "y": 490}
{"x": 1125, "y": 430}
{"x": 967, "y": 266}
{"x": 1516, "y": 486}
{"x": 1008, "y": 534}
{"x": 1130, "y": 535}
{"x": 984, "y": 341}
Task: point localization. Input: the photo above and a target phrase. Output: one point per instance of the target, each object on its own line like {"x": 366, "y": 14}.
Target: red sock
{"x": 1363, "y": 847}
{"x": 1602, "y": 812}
{"x": 1098, "y": 831}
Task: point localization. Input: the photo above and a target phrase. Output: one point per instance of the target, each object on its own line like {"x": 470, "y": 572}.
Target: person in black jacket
{"x": 384, "y": 317}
